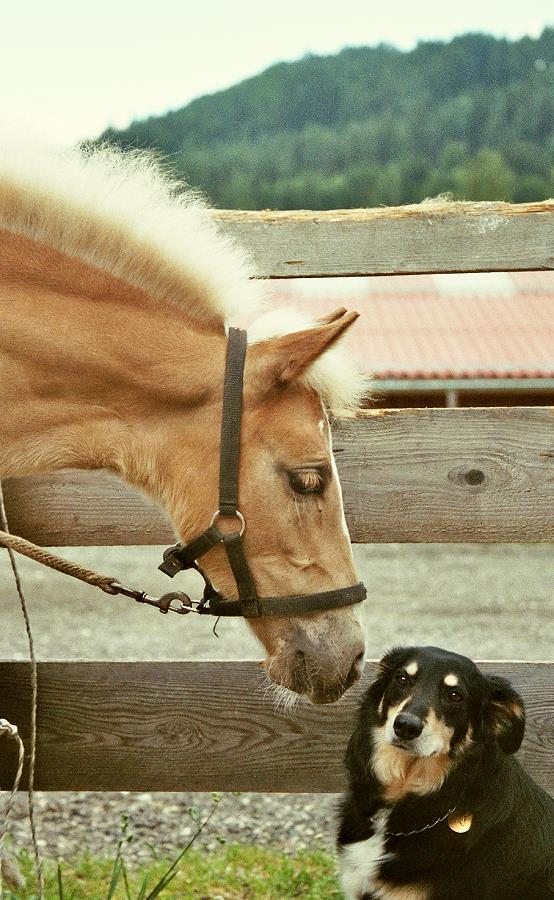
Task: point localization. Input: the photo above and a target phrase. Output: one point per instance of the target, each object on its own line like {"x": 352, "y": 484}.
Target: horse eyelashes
{"x": 307, "y": 482}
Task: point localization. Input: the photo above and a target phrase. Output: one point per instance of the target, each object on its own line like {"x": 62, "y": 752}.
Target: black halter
{"x": 180, "y": 557}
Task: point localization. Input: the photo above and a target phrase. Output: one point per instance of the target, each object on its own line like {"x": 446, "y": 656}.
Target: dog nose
{"x": 406, "y": 726}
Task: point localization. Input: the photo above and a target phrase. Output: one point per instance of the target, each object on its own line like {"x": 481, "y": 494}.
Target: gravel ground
{"x": 488, "y": 601}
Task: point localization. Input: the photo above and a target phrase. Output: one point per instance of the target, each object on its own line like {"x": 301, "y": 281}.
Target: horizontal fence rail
{"x": 169, "y": 726}
{"x": 433, "y": 236}
{"x": 416, "y": 475}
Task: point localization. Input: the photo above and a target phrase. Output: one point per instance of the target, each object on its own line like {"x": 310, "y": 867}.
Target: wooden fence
{"x": 418, "y": 475}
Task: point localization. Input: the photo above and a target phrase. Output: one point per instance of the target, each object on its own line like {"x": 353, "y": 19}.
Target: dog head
{"x": 428, "y": 707}
{"x": 432, "y": 701}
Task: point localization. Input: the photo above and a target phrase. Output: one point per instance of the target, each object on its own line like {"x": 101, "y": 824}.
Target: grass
{"x": 234, "y": 872}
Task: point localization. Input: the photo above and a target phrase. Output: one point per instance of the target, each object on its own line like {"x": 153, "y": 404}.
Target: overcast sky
{"x": 68, "y": 69}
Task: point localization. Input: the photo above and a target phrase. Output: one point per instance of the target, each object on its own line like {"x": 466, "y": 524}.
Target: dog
{"x": 437, "y": 807}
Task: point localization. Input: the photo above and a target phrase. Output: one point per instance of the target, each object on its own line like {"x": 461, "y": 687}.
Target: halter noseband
{"x": 180, "y": 557}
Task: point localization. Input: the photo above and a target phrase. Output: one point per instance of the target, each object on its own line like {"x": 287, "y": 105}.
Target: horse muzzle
{"x": 309, "y": 666}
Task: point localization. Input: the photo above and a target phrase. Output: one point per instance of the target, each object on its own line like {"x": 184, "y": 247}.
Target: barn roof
{"x": 491, "y": 325}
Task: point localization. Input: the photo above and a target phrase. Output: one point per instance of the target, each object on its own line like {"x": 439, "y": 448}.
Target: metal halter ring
{"x": 237, "y": 515}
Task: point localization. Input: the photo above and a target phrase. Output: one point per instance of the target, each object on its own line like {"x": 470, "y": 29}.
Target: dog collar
{"x": 458, "y": 822}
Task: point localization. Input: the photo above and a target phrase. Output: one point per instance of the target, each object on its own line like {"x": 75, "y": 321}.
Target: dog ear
{"x": 505, "y": 714}
{"x": 393, "y": 658}
{"x": 358, "y": 751}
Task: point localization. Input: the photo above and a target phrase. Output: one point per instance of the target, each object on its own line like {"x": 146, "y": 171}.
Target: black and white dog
{"x": 438, "y": 808}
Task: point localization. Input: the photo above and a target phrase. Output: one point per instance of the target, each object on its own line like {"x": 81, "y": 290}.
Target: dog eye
{"x": 455, "y": 696}
{"x": 307, "y": 481}
{"x": 402, "y": 678}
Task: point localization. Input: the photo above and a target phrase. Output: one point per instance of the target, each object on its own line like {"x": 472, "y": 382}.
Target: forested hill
{"x": 370, "y": 126}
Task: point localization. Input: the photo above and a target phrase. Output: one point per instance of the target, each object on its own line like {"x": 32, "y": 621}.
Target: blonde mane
{"x": 121, "y": 214}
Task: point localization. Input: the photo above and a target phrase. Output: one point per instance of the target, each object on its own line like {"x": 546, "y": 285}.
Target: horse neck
{"x": 93, "y": 372}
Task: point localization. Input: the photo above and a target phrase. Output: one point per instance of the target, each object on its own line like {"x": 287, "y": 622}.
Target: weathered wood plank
{"x": 417, "y": 475}
{"x": 427, "y": 237}
{"x": 447, "y": 476}
{"x": 172, "y": 726}
{"x": 73, "y": 509}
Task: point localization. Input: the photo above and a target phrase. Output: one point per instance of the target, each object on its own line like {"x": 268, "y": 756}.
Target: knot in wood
{"x": 469, "y": 477}
{"x": 474, "y": 476}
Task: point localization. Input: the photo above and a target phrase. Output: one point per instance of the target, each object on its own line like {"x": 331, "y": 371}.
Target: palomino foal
{"x": 114, "y": 293}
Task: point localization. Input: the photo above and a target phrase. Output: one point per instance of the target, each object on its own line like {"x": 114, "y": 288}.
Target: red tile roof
{"x": 495, "y": 325}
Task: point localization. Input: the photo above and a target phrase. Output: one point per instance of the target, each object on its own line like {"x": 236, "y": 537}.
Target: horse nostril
{"x": 356, "y": 669}
{"x": 407, "y": 727}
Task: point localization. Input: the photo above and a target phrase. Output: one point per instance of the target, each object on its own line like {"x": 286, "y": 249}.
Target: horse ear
{"x": 505, "y": 714}
{"x": 332, "y": 316}
{"x": 281, "y": 360}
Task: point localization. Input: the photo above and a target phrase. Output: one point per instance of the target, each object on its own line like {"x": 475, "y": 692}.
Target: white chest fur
{"x": 360, "y": 862}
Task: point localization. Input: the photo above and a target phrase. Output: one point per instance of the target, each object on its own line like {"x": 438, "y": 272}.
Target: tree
{"x": 486, "y": 176}
{"x": 370, "y": 126}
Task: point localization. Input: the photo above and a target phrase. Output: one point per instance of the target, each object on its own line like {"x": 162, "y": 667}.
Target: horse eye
{"x": 455, "y": 696}
{"x": 402, "y": 678}
{"x": 306, "y": 481}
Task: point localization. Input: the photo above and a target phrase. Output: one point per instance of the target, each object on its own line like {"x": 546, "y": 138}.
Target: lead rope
{"x": 6, "y": 728}
{"x": 12, "y": 730}
{"x": 33, "y": 551}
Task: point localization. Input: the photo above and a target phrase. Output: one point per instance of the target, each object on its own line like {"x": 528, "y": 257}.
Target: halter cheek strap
{"x": 181, "y": 557}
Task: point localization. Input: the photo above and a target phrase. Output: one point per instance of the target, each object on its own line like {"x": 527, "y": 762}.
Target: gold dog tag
{"x": 459, "y": 823}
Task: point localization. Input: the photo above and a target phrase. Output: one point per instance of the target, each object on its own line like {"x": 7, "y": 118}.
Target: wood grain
{"x": 170, "y": 726}
{"x": 427, "y": 237}
{"x": 415, "y": 475}
{"x": 442, "y": 475}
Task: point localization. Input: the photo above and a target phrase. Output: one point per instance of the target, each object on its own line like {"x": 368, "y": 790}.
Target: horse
{"x": 117, "y": 288}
